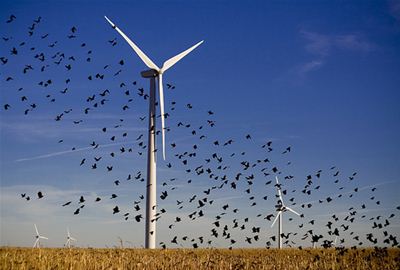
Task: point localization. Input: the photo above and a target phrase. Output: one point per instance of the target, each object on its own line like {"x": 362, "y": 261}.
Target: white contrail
{"x": 70, "y": 151}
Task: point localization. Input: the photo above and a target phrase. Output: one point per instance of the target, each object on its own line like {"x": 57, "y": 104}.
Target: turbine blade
{"x": 68, "y": 232}
{"x": 291, "y": 210}
{"x": 37, "y": 240}
{"x": 66, "y": 243}
{"x": 37, "y": 232}
{"x": 276, "y": 218}
{"x": 161, "y": 92}
{"x": 43, "y": 237}
{"x": 172, "y": 61}
{"x": 139, "y": 52}
{"x": 73, "y": 239}
{"x": 279, "y": 189}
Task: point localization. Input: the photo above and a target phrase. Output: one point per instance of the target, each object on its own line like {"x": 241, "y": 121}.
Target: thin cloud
{"x": 394, "y": 9}
{"x": 353, "y": 42}
{"x": 321, "y": 46}
{"x": 317, "y": 44}
{"x": 310, "y": 66}
{"x": 54, "y": 154}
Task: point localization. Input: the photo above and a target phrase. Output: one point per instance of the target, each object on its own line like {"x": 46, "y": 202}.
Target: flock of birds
{"x": 223, "y": 164}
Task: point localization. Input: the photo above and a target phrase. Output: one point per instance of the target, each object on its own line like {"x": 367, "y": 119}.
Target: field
{"x": 88, "y": 258}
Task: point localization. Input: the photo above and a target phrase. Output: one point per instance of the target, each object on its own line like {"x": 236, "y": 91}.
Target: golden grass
{"x": 88, "y": 258}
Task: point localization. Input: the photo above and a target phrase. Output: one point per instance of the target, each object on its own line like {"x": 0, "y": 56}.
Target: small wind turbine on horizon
{"x": 153, "y": 73}
{"x": 334, "y": 242}
{"x": 38, "y": 237}
{"x": 69, "y": 239}
{"x": 280, "y": 208}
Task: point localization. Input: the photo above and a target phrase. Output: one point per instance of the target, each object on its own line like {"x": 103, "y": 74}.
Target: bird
{"x": 11, "y": 18}
{"x": 138, "y": 218}
{"x": 82, "y": 161}
{"x": 14, "y": 51}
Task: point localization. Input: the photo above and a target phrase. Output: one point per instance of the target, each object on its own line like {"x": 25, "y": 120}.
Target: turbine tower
{"x": 69, "y": 239}
{"x": 153, "y": 73}
{"x": 280, "y": 208}
{"x": 38, "y": 237}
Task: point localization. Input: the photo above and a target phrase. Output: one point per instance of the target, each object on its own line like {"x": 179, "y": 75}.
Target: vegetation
{"x": 90, "y": 258}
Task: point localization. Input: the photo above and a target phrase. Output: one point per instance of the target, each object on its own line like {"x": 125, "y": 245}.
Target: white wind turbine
{"x": 38, "y": 237}
{"x": 334, "y": 242}
{"x": 69, "y": 239}
{"x": 281, "y": 207}
{"x": 153, "y": 73}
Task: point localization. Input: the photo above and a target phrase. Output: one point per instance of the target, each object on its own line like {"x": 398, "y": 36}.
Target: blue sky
{"x": 321, "y": 77}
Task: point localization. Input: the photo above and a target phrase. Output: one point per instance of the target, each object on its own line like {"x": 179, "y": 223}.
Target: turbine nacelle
{"x": 151, "y": 73}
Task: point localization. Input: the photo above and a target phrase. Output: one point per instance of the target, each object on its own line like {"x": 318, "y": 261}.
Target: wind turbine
{"x": 281, "y": 207}
{"x": 38, "y": 237}
{"x": 334, "y": 242}
{"x": 69, "y": 239}
{"x": 153, "y": 73}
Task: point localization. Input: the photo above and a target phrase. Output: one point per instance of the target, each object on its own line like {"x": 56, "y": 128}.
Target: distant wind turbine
{"x": 38, "y": 237}
{"x": 280, "y": 208}
{"x": 334, "y": 242}
{"x": 69, "y": 239}
{"x": 153, "y": 73}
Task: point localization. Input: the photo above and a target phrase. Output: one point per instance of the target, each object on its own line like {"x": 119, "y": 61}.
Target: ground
{"x": 124, "y": 258}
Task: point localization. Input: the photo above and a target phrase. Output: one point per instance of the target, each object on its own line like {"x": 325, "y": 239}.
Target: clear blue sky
{"x": 321, "y": 77}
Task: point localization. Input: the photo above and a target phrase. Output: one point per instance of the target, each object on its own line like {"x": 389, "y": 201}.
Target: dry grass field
{"x": 79, "y": 258}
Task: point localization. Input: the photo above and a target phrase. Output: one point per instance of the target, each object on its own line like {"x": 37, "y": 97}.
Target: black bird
{"x": 12, "y": 18}
{"x": 81, "y": 199}
{"x": 67, "y": 203}
{"x": 4, "y": 60}
{"x": 115, "y": 210}
{"x": 40, "y": 195}
{"x": 14, "y": 51}
{"x": 164, "y": 195}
